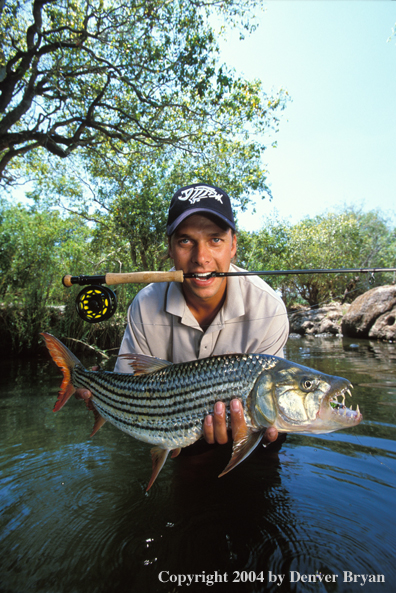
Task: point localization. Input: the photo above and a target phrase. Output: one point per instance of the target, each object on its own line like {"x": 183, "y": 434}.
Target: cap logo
{"x": 197, "y": 193}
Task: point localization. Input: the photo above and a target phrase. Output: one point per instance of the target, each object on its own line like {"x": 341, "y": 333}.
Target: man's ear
{"x": 170, "y": 247}
{"x": 234, "y": 246}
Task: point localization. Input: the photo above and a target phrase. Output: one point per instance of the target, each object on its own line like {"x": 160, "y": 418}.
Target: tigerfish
{"x": 165, "y": 404}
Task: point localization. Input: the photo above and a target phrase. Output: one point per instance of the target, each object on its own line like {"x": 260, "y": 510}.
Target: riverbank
{"x": 372, "y": 315}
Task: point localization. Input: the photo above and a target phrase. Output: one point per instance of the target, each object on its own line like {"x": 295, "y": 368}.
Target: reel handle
{"x": 131, "y": 277}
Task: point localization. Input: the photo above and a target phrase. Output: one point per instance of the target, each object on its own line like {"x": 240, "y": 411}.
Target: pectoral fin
{"x": 242, "y": 447}
{"x": 158, "y": 457}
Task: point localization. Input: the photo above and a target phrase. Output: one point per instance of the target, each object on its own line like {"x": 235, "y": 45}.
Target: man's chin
{"x": 205, "y": 289}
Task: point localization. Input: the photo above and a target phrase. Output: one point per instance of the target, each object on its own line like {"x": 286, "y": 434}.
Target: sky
{"x": 337, "y": 135}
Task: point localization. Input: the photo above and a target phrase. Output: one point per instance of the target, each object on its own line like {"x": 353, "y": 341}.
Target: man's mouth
{"x": 201, "y": 275}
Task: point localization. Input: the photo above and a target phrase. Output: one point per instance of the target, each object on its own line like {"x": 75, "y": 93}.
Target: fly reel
{"x": 96, "y": 303}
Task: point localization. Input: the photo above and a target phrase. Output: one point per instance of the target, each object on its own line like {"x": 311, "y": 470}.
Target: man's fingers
{"x": 208, "y": 430}
{"x": 219, "y": 423}
{"x": 238, "y": 423}
{"x": 270, "y": 435}
{"x": 82, "y": 394}
{"x": 215, "y": 427}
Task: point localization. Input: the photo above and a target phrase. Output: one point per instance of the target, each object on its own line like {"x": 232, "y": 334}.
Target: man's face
{"x": 199, "y": 245}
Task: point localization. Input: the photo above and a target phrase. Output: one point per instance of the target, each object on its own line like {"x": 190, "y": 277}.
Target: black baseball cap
{"x": 195, "y": 198}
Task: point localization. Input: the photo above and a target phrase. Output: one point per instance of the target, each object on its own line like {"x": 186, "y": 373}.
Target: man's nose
{"x": 201, "y": 254}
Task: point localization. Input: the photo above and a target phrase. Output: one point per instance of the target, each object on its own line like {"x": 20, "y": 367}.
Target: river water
{"x": 315, "y": 510}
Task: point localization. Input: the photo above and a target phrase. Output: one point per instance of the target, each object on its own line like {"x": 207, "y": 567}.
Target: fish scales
{"x": 168, "y": 407}
{"x": 165, "y": 404}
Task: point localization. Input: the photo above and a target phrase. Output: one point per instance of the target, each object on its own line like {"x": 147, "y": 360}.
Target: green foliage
{"x": 39, "y": 246}
{"x": 121, "y": 78}
{"x": 35, "y": 248}
{"x": 346, "y": 239}
{"x": 265, "y": 250}
{"x": 128, "y": 199}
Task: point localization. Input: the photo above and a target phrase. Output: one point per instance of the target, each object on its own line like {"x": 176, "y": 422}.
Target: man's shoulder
{"x": 255, "y": 284}
{"x": 158, "y": 299}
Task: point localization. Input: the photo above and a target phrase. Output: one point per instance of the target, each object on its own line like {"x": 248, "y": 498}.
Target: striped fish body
{"x": 167, "y": 407}
{"x": 165, "y": 404}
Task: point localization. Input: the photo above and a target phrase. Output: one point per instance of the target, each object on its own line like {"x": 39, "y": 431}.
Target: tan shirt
{"x": 252, "y": 319}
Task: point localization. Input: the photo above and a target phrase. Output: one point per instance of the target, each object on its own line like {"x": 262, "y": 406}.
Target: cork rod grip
{"x": 128, "y": 278}
{"x": 144, "y": 277}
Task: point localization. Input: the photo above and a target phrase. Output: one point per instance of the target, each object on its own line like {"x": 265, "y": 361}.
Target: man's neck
{"x": 205, "y": 312}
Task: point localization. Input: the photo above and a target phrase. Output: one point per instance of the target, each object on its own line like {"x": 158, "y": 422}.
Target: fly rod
{"x": 179, "y": 276}
{"x": 96, "y": 302}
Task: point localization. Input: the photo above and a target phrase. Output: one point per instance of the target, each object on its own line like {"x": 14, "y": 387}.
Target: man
{"x": 205, "y": 316}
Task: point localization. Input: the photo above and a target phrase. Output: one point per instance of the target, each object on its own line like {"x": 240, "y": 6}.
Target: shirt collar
{"x": 234, "y": 305}
{"x": 176, "y": 305}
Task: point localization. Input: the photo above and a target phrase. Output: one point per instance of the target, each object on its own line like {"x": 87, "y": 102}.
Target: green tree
{"x": 35, "y": 248}
{"x": 266, "y": 249}
{"x": 348, "y": 238}
{"x": 135, "y": 77}
{"x": 128, "y": 199}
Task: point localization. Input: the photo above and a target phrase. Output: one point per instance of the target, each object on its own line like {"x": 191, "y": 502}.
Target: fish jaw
{"x": 334, "y": 414}
{"x": 293, "y": 398}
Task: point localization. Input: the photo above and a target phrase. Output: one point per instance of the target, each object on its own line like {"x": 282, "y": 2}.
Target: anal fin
{"x": 99, "y": 420}
{"x": 243, "y": 445}
{"x": 158, "y": 457}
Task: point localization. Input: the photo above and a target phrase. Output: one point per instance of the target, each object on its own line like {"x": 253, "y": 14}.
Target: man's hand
{"x": 81, "y": 392}
{"x": 215, "y": 428}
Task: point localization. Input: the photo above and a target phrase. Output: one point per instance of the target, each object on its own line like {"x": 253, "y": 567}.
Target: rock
{"x": 372, "y": 315}
{"x": 385, "y": 326}
{"x": 326, "y": 320}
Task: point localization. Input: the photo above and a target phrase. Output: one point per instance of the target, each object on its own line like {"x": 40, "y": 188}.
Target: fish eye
{"x": 307, "y": 384}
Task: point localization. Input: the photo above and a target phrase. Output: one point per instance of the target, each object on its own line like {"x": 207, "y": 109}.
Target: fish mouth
{"x": 334, "y": 406}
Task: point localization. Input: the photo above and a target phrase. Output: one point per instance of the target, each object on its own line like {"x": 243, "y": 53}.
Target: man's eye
{"x": 216, "y": 240}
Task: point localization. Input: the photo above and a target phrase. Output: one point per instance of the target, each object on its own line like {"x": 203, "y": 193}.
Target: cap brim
{"x": 170, "y": 229}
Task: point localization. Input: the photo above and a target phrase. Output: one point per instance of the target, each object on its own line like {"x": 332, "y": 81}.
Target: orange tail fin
{"x": 66, "y": 362}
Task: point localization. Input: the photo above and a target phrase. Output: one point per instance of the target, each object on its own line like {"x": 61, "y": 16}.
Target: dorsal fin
{"x": 143, "y": 364}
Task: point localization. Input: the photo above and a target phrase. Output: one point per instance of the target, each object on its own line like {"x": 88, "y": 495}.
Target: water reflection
{"x": 75, "y": 516}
